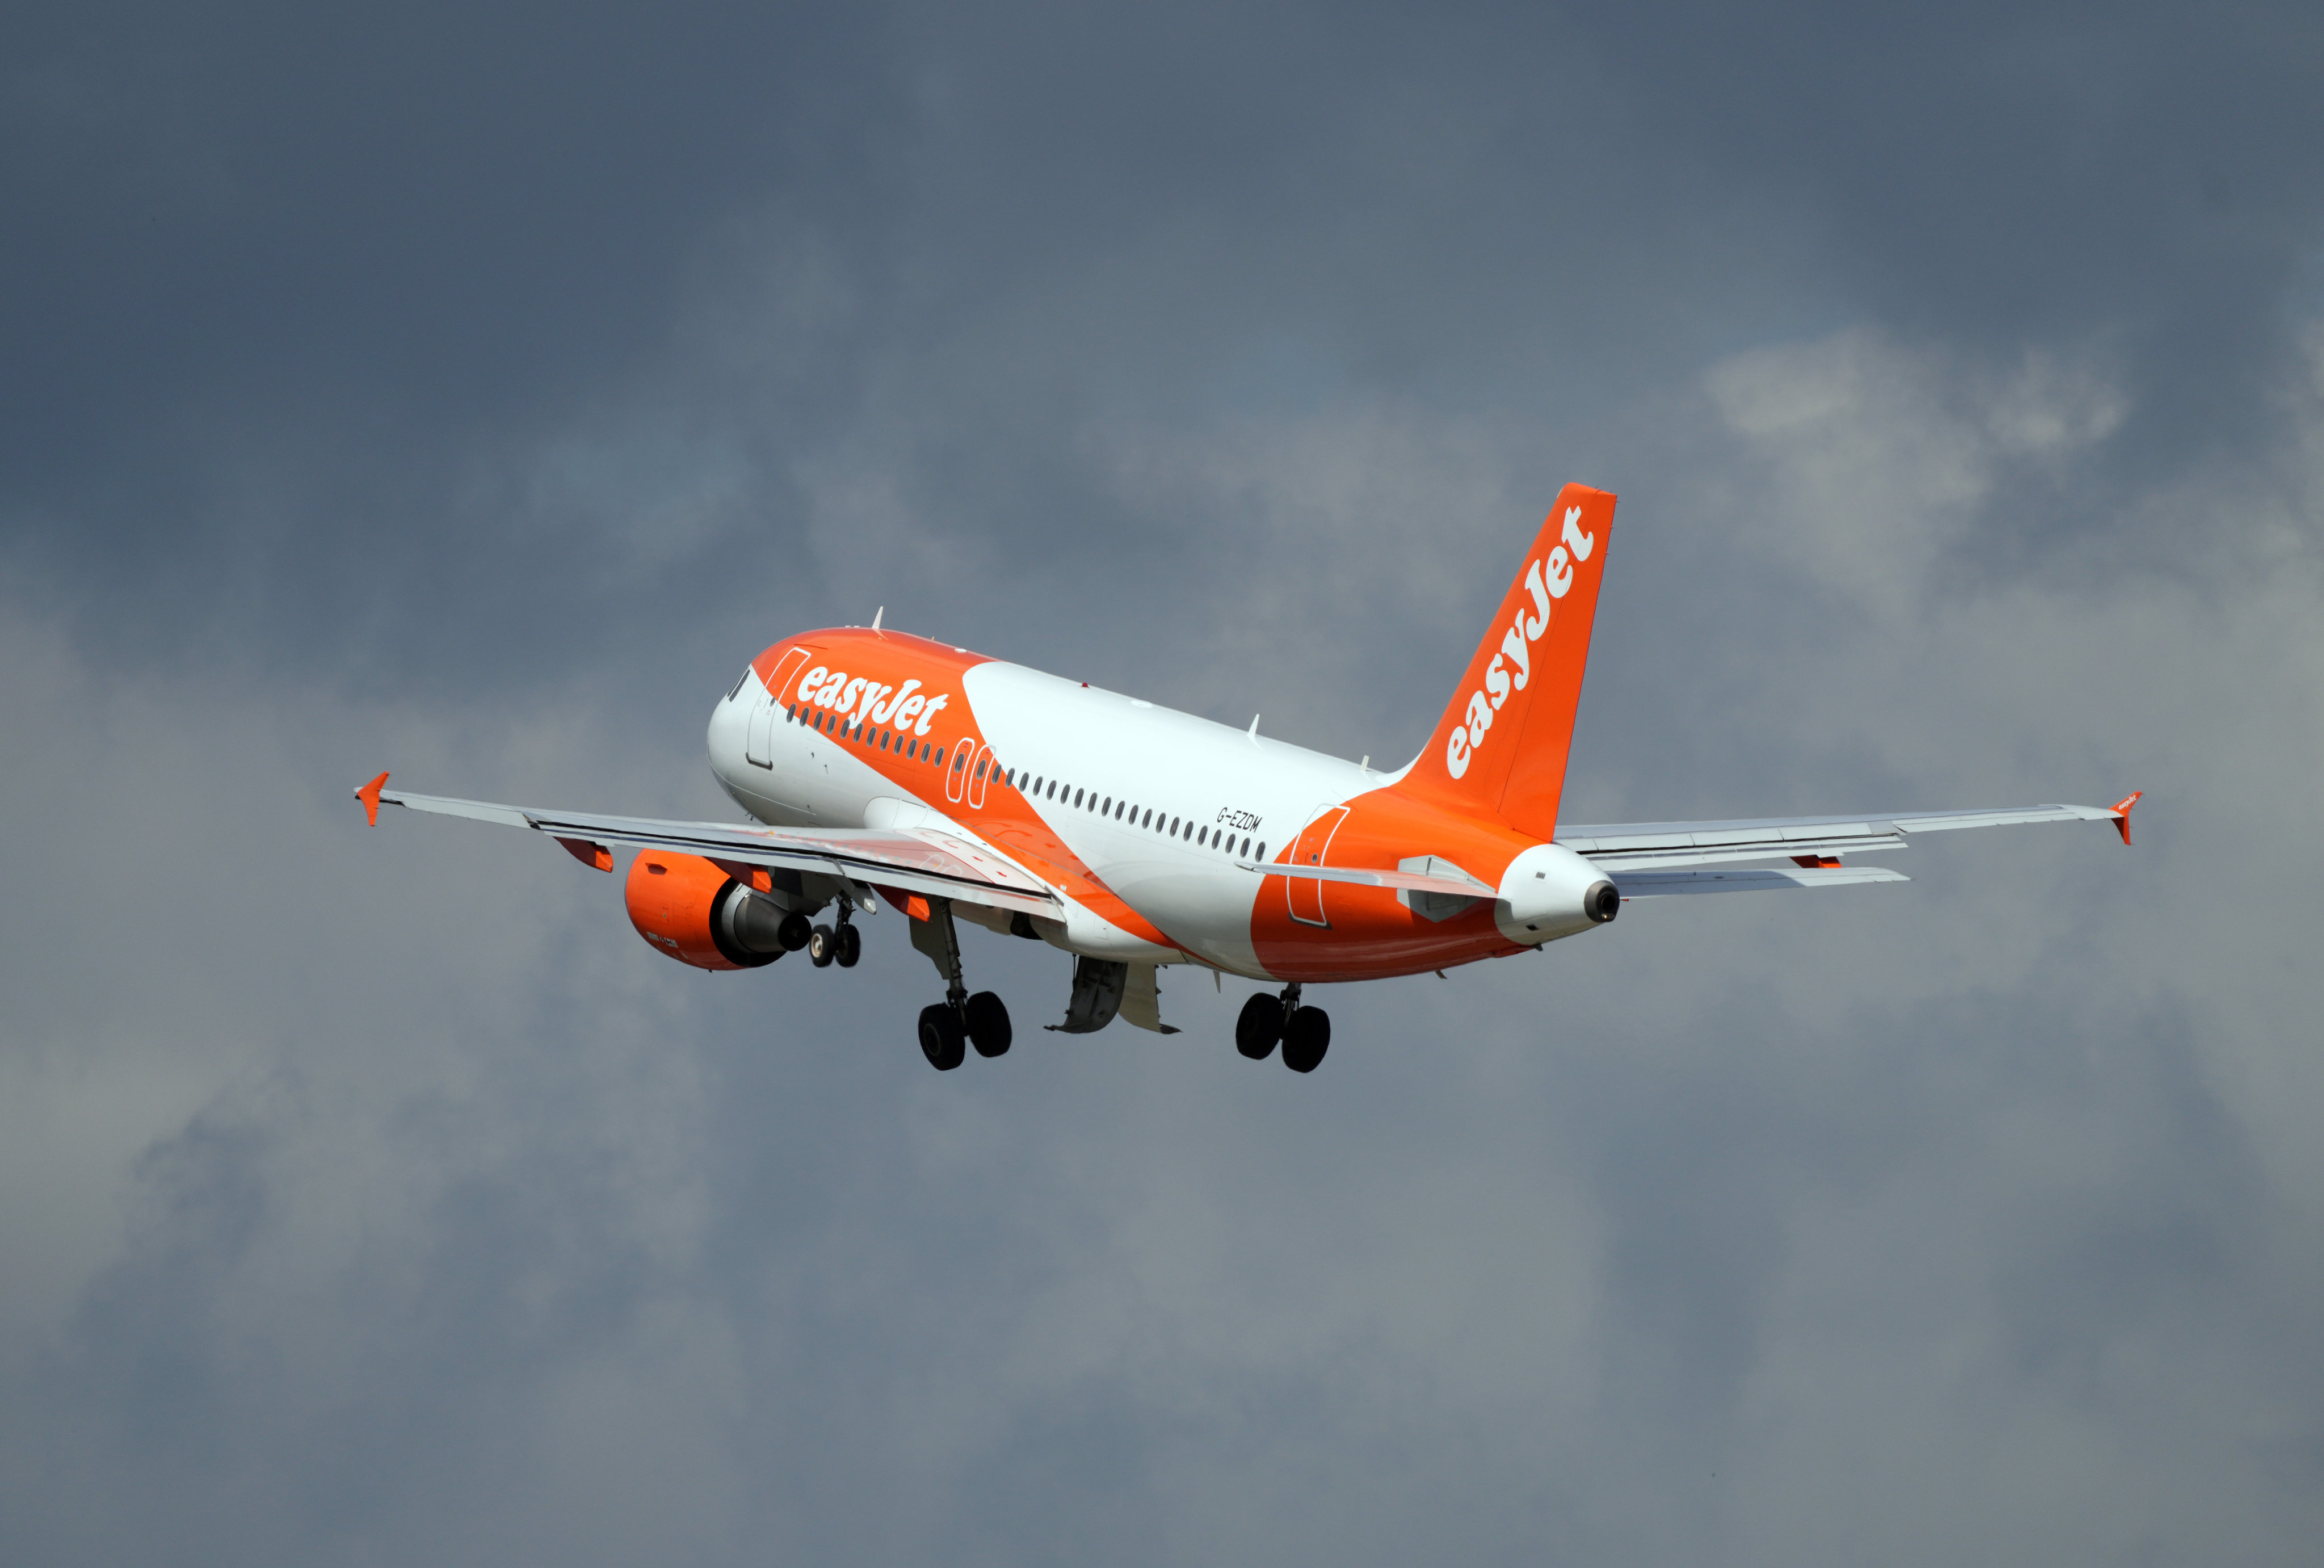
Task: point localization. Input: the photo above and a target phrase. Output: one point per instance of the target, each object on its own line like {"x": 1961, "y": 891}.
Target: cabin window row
{"x": 1142, "y": 818}
{"x": 896, "y": 740}
{"x": 1040, "y": 788}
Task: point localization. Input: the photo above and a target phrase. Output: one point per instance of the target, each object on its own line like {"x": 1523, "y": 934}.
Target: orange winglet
{"x": 587, "y": 854}
{"x": 2121, "y": 809}
{"x": 369, "y": 796}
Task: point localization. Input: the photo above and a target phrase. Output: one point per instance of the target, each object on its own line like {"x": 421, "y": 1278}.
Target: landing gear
{"x": 824, "y": 946}
{"x": 987, "y": 1018}
{"x": 1260, "y": 1026}
{"x": 1305, "y": 1031}
{"x": 947, "y": 1028}
{"x": 1307, "y": 1036}
{"x": 942, "y": 1041}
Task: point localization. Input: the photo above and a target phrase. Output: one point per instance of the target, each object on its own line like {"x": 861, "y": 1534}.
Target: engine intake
{"x": 691, "y": 909}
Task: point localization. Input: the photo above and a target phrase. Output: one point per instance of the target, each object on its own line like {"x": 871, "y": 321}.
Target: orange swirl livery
{"x": 883, "y": 771}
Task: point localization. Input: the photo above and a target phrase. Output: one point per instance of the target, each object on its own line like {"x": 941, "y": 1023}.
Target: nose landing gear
{"x": 1305, "y": 1032}
{"x": 826, "y": 947}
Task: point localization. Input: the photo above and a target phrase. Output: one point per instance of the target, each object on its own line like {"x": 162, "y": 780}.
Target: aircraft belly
{"x": 1204, "y": 912}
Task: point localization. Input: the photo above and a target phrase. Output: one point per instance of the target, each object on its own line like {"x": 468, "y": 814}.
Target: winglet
{"x": 369, "y": 795}
{"x": 2121, "y": 809}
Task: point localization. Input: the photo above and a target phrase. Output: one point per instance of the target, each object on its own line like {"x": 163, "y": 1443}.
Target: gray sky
{"x": 471, "y": 396}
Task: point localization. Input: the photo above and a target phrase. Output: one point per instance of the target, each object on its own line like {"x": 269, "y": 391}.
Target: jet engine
{"x": 695, "y": 911}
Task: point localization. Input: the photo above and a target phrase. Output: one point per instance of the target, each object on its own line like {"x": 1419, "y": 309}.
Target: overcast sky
{"x": 472, "y": 394}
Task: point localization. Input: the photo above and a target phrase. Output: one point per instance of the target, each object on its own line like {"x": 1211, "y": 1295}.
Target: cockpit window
{"x": 738, "y": 683}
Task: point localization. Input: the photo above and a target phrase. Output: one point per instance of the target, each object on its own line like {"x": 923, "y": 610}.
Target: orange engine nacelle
{"x": 694, "y": 911}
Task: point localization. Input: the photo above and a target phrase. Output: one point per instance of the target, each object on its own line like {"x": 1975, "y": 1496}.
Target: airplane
{"x": 875, "y": 766}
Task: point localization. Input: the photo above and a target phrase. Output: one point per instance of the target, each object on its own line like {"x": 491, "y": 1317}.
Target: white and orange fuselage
{"x": 1148, "y": 824}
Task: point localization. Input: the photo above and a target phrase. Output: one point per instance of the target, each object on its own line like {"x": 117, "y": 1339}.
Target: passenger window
{"x": 1148, "y": 822}
{"x": 1261, "y": 856}
{"x": 981, "y": 767}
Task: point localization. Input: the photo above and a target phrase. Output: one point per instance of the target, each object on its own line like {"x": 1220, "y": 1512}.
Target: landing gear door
{"x": 1312, "y": 847}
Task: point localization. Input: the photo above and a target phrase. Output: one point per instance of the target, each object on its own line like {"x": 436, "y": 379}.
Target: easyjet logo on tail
{"x": 1547, "y": 580}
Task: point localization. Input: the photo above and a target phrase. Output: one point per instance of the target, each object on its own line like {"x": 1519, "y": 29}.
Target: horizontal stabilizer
{"x": 1460, "y": 886}
{"x": 1638, "y": 845}
{"x": 1750, "y": 880}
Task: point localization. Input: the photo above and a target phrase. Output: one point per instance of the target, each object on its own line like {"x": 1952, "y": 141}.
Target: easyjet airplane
{"x": 878, "y": 766}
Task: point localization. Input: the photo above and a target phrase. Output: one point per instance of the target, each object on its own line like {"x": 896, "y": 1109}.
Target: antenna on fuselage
{"x": 882, "y": 610}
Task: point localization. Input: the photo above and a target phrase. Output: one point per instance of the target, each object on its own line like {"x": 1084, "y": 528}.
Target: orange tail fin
{"x": 1499, "y": 749}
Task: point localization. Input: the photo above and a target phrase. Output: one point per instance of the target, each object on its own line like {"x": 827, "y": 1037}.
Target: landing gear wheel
{"x": 793, "y": 933}
{"x": 821, "y": 947}
{"x": 1260, "y": 1026}
{"x": 988, "y": 1024}
{"x": 1307, "y": 1036}
{"x": 941, "y": 1042}
{"x": 850, "y": 946}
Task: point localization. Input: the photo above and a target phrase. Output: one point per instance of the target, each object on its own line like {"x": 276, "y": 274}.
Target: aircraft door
{"x": 1311, "y": 848}
{"x": 761, "y": 748}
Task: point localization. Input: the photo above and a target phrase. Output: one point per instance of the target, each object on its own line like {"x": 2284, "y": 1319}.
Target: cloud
{"x": 471, "y": 395}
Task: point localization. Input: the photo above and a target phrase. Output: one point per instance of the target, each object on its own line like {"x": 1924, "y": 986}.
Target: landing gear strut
{"x": 1305, "y": 1032}
{"x": 826, "y": 947}
{"x": 948, "y": 1028}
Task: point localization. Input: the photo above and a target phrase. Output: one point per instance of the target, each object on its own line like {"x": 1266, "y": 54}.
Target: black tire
{"x": 942, "y": 1041}
{"x": 850, "y": 946}
{"x": 1307, "y": 1036}
{"x": 793, "y": 933}
{"x": 1260, "y": 1025}
{"x": 821, "y": 947}
{"x": 988, "y": 1025}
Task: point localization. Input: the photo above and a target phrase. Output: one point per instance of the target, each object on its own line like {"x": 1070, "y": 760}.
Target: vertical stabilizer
{"x": 1499, "y": 749}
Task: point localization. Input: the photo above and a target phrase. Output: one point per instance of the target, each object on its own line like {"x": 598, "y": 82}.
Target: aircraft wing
{"x": 1644, "y": 858}
{"x": 916, "y": 860}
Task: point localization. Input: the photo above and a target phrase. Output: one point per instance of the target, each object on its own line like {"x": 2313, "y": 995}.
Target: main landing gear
{"x": 1305, "y": 1032}
{"x": 950, "y": 1026}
